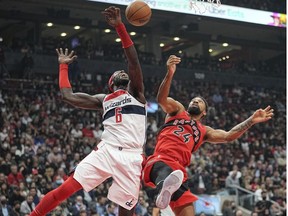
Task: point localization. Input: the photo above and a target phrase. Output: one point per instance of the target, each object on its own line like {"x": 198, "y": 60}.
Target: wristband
{"x": 124, "y": 36}
{"x": 63, "y": 76}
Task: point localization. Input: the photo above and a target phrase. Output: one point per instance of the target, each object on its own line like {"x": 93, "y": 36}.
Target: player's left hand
{"x": 112, "y": 16}
{"x": 172, "y": 62}
{"x": 262, "y": 115}
{"x": 65, "y": 57}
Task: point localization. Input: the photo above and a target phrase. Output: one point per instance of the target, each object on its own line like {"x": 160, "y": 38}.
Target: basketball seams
{"x": 138, "y": 13}
{"x": 146, "y": 16}
{"x": 140, "y": 8}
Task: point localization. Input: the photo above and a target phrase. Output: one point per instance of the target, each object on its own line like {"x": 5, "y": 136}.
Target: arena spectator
{"x": 79, "y": 206}
{"x": 226, "y": 208}
{"x": 27, "y": 206}
{"x": 15, "y": 177}
{"x": 5, "y": 208}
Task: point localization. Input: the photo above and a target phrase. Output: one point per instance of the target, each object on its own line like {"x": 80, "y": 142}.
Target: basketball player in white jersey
{"x": 119, "y": 154}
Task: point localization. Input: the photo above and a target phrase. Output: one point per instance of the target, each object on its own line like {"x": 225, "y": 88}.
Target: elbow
{"x": 65, "y": 97}
{"x": 160, "y": 100}
{"x": 229, "y": 139}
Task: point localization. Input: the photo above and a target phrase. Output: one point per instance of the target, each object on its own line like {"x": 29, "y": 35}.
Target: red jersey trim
{"x": 115, "y": 94}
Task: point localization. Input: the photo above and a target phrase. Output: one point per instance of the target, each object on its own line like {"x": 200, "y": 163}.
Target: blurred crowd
{"x": 86, "y": 49}
{"x": 42, "y": 139}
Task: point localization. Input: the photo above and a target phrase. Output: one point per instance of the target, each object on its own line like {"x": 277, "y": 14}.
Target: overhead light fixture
{"x": 225, "y": 44}
{"x": 220, "y": 59}
{"x": 132, "y": 33}
{"x": 227, "y": 57}
{"x": 63, "y": 34}
{"x": 210, "y": 50}
{"x": 176, "y": 38}
{"x": 223, "y": 58}
{"x": 76, "y": 27}
{"x": 49, "y": 24}
{"x": 107, "y": 30}
{"x": 118, "y": 40}
{"x": 161, "y": 44}
{"x": 180, "y": 51}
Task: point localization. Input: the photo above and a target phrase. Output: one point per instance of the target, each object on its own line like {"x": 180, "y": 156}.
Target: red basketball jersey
{"x": 179, "y": 137}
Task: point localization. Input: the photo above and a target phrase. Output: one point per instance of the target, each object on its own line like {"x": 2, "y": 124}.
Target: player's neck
{"x": 195, "y": 117}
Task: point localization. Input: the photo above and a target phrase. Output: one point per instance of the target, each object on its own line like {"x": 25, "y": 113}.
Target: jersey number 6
{"x": 118, "y": 114}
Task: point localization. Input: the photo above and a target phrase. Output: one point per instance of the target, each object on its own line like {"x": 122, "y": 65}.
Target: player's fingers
{"x": 71, "y": 54}
{"x": 117, "y": 11}
{"x": 110, "y": 10}
{"x": 267, "y": 108}
{"x": 74, "y": 57}
{"x": 66, "y": 51}
{"x": 270, "y": 111}
{"x": 61, "y": 51}
{"x": 58, "y": 52}
{"x": 175, "y": 59}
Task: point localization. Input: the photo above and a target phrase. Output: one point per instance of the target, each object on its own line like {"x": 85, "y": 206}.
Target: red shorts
{"x": 187, "y": 197}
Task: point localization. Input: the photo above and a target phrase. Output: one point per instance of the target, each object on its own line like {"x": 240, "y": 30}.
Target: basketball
{"x": 138, "y": 13}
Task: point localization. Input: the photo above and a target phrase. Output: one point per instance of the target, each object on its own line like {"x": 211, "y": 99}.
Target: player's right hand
{"x": 65, "y": 57}
{"x": 171, "y": 63}
{"x": 112, "y": 16}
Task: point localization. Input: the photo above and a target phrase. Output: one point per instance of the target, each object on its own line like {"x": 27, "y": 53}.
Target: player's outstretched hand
{"x": 65, "y": 57}
{"x": 262, "y": 115}
{"x": 171, "y": 63}
{"x": 112, "y": 16}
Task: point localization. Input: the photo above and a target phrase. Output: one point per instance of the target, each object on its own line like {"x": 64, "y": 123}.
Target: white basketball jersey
{"x": 124, "y": 120}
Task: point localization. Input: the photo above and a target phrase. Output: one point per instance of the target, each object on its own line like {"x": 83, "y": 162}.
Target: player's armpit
{"x": 171, "y": 106}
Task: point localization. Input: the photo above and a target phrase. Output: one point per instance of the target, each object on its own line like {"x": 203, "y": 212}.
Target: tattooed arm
{"x": 221, "y": 136}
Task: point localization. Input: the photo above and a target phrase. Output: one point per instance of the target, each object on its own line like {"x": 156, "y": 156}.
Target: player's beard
{"x": 193, "y": 110}
{"x": 121, "y": 82}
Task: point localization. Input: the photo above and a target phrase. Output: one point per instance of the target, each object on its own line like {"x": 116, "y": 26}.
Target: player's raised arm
{"x": 80, "y": 100}
{"x": 168, "y": 104}
{"x": 221, "y": 136}
{"x": 136, "y": 87}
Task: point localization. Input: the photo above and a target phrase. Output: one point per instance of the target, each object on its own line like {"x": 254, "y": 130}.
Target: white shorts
{"x": 123, "y": 165}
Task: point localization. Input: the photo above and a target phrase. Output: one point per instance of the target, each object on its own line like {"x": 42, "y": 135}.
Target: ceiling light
{"x": 63, "y": 34}
{"x": 223, "y": 58}
{"x": 180, "y": 51}
{"x": 118, "y": 40}
{"x": 49, "y": 24}
{"x": 161, "y": 44}
{"x": 76, "y": 27}
{"x": 1, "y": 39}
{"x": 225, "y": 44}
{"x": 107, "y": 30}
{"x": 176, "y": 38}
{"x": 220, "y": 59}
{"x": 227, "y": 57}
{"x": 210, "y": 50}
{"x": 132, "y": 33}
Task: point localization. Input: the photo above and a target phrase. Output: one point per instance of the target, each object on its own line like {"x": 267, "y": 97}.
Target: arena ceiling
{"x": 20, "y": 16}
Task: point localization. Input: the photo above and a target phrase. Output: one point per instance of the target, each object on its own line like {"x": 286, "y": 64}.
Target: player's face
{"x": 197, "y": 106}
{"x": 120, "y": 78}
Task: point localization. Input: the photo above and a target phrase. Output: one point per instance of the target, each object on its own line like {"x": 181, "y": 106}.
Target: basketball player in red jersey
{"x": 180, "y": 136}
{"x": 120, "y": 153}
